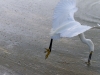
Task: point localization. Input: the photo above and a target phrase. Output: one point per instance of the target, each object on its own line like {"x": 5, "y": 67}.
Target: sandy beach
{"x": 25, "y": 33}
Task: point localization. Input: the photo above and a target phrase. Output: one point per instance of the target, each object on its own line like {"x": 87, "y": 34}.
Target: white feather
{"x": 64, "y": 24}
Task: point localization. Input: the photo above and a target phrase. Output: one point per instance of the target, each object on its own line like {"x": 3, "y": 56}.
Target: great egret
{"x": 64, "y": 25}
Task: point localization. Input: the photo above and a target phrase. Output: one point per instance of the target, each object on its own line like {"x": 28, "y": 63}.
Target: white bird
{"x": 64, "y": 25}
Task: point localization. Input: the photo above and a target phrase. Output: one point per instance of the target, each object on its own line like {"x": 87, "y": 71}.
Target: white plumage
{"x": 64, "y": 24}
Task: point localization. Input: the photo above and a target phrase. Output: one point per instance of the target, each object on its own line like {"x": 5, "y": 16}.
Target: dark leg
{"x": 49, "y": 50}
{"x": 50, "y": 46}
{"x": 89, "y": 59}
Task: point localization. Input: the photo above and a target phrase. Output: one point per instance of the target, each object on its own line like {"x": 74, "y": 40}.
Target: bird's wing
{"x": 64, "y": 12}
{"x": 70, "y": 29}
{"x": 64, "y": 24}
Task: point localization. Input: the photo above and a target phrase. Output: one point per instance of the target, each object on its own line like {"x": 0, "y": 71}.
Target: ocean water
{"x": 89, "y": 10}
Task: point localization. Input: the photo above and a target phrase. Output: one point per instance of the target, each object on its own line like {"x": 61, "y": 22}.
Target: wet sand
{"x": 24, "y": 33}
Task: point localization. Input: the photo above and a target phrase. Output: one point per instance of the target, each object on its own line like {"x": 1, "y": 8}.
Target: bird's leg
{"x": 89, "y": 59}
{"x": 90, "y": 45}
{"x": 48, "y": 50}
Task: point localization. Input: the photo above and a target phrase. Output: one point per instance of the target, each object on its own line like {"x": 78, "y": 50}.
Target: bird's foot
{"x": 47, "y": 53}
{"x": 88, "y": 63}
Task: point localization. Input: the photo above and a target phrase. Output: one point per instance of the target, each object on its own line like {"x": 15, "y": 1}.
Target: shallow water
{"x": 89, "y": 10}
{"x": 24, "y": 33}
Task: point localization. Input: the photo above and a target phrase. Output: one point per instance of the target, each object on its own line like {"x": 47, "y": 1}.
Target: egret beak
{"x": 89, "y": 59}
